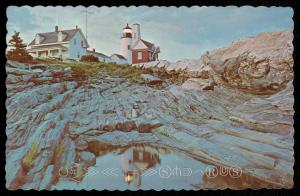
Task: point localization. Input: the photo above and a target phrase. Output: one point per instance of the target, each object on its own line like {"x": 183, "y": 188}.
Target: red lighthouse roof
{"x": 148, "y": 44}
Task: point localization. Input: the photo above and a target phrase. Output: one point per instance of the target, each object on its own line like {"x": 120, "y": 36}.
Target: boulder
{"x": 67, "y": 69}
{"x": 150, "y": 79}
{"x": 145, "y": 128}
{"x": 81, "y": 144}
{"x": 88, "y": 158}
{"x": 126, "y": 126}
{"x": 198, "y": 84}
{"x": 108, "y": 128}
{"x": 37, "y": 70}
{"x": 134, "y": 113}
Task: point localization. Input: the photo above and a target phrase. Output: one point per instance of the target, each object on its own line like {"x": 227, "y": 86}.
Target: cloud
{"x": 16, "y": 21}
{"x": 180, "y": 32}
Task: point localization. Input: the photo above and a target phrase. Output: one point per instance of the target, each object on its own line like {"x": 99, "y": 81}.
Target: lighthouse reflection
{"x": 136, "y": 160}
{"x": 133, "y": 159}
{"x": 141, "y": 166}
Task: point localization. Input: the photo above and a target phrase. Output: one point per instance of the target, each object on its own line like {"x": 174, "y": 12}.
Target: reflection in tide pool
{"x": 140, "y": 166}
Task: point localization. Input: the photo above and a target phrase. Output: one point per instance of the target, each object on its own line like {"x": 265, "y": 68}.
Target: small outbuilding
{"x": 118, "y": 59}
{"x": 101, "y": 57}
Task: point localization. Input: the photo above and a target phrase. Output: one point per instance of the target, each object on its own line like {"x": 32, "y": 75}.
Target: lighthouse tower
{"x": 126, "y": 41}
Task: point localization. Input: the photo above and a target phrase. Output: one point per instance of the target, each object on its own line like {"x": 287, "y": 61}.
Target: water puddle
{"x": 139, "y": 166}
{"x": 150, "y": 166}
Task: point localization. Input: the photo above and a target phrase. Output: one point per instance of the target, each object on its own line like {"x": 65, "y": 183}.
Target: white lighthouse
{"x": 126, "y": 41}
{"x": 134, "y": 49}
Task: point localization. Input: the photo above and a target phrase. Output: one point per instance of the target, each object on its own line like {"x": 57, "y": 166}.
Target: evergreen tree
{"x": 18, "y": 51}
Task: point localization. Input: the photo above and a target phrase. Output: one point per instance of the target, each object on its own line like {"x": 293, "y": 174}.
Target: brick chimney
{"x": 94, "y": 50}
{"x": 56, "y": 28}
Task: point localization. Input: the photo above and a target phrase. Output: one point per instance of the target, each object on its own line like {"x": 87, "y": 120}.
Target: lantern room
{"x": 127, "y": 32}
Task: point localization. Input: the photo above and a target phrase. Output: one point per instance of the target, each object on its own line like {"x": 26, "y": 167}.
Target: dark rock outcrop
{"x": 259, "y": 65}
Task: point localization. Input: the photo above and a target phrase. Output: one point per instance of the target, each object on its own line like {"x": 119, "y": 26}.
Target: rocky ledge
{"x": 219, "y": 114}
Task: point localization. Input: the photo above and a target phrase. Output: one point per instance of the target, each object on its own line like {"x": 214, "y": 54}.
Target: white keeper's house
{"x": 62, "y": 44}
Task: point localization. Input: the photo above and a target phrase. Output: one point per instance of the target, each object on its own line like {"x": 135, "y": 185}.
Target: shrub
{"x": 89, "y": 58}
{"x": 163, "y": 132}
{"x": 49, "y": 96}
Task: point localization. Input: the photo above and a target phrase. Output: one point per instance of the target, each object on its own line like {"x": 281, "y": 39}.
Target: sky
{"x": 181, "y": 33}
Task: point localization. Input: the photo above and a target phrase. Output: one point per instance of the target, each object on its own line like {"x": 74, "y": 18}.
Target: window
{"x": 74, "y": 41}
{"x": 78, "y": 55}
{"x": 128, "y": 47}
{"x": 140, "y": 55}
{"x": 81, "y": 43}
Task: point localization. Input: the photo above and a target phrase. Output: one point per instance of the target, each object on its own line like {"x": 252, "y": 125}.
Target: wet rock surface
{"x": 53, "y": 122}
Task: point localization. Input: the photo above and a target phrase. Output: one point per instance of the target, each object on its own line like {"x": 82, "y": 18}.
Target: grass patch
{"x": 49, "y": 61}
{"x": 125, "y": 71}
{"x": 30, "y": 156}
{"x": 82, "y": 71}
{"x": 164, "y": 133}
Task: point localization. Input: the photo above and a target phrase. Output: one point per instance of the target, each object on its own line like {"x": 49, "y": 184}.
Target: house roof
{"x": 97, "y": 53}
{"x": 51, "y": 37}
{"x": 119, "y": 56}
{"x": 147, "y": 45}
